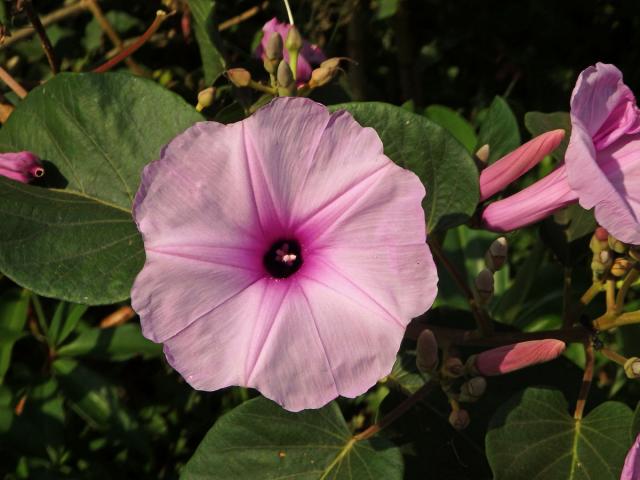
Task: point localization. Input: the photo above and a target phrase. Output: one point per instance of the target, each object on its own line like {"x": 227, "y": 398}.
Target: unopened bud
{"x": 634, "y": 252}
{"x": 509, "y": 358}
{"x": 596, "y": 244}
{"x": 483, "y": 153}
{"x": 273, "y": 50}
{"x": 427, "y": 352}
{"x": 286, "y": 82}
{"x": 206, "y": 98}
{"x": 484, "y": 285}
{"x": 601, "y": 234}
{"x": 632, "y": 367}
{"x": 294, "y": 40}
{"x": 620, "y": 267}
{"x": 321, "y": 76}
{"x": 459, "y": 419}
{"x": 332, "y": 63}
{"x": 453, "y": 367}
{"x": 601, "y": 262}
{"x": 473, "y": 389}
{"x": 239, "y": 77}
{"x": 616, "y": 245}
{"x": 497, "y": 254}
{"x": 20, "y": 166}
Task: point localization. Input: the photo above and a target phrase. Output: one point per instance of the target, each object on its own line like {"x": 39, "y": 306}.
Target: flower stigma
{"x": 283, "y": 259}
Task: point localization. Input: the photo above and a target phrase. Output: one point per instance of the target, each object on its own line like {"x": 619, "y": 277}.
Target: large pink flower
{"x": 602, "y": 163}
{"x": 285, "y": 252}
{"x": 309, "y": 55}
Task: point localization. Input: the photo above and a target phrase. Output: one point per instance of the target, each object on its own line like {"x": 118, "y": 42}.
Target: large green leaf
{"x": 454, "y": 123}
{"x": 533, "y": 436}
{"x": 259, "y": 439}
{"x": 95, "y": 132}
{"x": 421, "y": 145}
{"x": 537, "y": 123}
{"x": 206, "y": 35}
{"x": 14, "y": 306}
{"x": 499, "y": 129}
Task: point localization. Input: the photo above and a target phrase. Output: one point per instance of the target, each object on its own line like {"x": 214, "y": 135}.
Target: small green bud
{"x": 294, "y": 39}
{"x": 632, "y": 367}
{"x": 596, "y": 245}
{"x": 459, "y": 419}
{"x": 473, "y": 389}
{"x": 206, "y": 98}
{"x": 321, "y": 76}
{"x": 616, "y": 245}
{"x": 273, "y": 51}
{"x": 286, "y": 82}
{"x": 620, "y": 267}
{"x": 601, "y": 262}
{"x": 427, "y": 352}
{"x": 239, "y": 77}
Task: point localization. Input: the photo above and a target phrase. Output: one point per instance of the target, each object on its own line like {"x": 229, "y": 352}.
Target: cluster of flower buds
{"x": 611, "y": 256}
{"x": 495, "y": 258}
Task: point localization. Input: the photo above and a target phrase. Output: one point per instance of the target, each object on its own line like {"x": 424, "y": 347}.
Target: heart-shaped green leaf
{"x": 259, "y": 439}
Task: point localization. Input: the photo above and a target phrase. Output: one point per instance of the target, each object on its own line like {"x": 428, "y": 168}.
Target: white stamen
{"x": 289, "y": 258}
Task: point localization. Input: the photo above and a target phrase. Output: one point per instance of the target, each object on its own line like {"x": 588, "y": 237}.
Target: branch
{"x": 42, "y": 34}
{"x": 12, "y": 83}
{"x": 586, "y": 381}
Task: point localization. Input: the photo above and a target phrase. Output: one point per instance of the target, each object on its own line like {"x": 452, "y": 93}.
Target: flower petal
{"x": 196, "y": 232}
{"x": 631, "y": 469}
{"x": 604, "y": 105}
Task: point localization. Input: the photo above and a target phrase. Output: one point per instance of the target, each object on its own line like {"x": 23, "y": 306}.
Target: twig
{"x": 161, "y": 16}
{"x": 631, "y": 277}
{"x": 610, "y": 289}
{"x": 586, "y": 381}
{"x": 54, "y": 17}
{"x": 613, "y": 356}
{"x": 397, "y": 412}
{"x": 42, "y": 34}
{"x": 112, "y": 34}
{"x": 243, "y": 16}
{"x": 119, "y": 317}
{"x": 12, "y": 83}
{"x": 590, "y": 294}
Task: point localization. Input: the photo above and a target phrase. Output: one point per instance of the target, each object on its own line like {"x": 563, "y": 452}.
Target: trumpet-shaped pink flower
{"x": 602, "y": 163}
{"x": 509, "y": 358}
{"x": 309, "y": 55}
{"x": 285, "y": 252}
{"x": 631, "y": 468}
{"x": 503, "y": 172}
{"x": 20, "y": 166}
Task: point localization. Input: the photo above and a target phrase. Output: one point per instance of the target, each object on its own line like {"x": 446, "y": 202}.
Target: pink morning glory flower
{"x": 309, "y": 55}
{"x": 631, "y": 468}
{"x": 602, "y": 163}
{"x": 20, "y": 166}
{"x": 285, "y": 253}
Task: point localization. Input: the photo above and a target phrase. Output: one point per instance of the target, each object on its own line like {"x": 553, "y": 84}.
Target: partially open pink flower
{"x": 20, "y": 166}
{"x": 602, "y": 163}
{"x": 309, "y": 55}
{"x": 512, "y": 166}
{"x": 285, "y": 252}
{"x": 631, "y": 468}
{"x": 509, "y": 358}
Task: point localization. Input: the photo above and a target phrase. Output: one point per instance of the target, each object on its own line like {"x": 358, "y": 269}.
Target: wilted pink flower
{"x": 512, "y": 166}
{"x": 285, "y": 252}
{"x": 309, "y": 55}
{"x": 20, "y": 166}
{"x": 509, "y": 358}
{"x": 631, "y": 468}
{"x": 602, "y": 163}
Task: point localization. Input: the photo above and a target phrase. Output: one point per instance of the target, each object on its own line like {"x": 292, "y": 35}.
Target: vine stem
{"x": 631, "y": 277}
{"x": 161, "y": 16}
{"x": 289, "y": 13}
{"x": 33, "y": 17}
{"x": 586, "y": 381}
{"x": 397, "y": 412}
{"x": 12, "y": 83}
{"x": 484, "y": 323}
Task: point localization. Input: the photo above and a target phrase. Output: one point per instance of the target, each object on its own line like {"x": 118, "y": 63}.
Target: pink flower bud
{"x": 509, "y": 358}
{"x": 512, "y": 166}
{"x": 427, "y": 352}
{"x": 20, "y": 166}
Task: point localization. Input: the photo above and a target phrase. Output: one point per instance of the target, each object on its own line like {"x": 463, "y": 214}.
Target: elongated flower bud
{"x": 509, "y": 358}
{"x": 239, "y": 77}
{"x": 459, "y": 419}
{"x": 512, "y": 166}
{"x": 427, "y": 352}
{"x": 294, "y": 40}
{"x": 20, "y": 166}
{"x": 273, "y": 50}
{"x": 321, "y": 76}
{"x": 497, "y": 254}
{"x": 286, "y": 82}
{"x": 484, "y": 285}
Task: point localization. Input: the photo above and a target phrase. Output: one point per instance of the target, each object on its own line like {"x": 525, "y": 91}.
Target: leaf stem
{"x": 610, "y": 290}
{"x": 629, "y": 280}
{"x": 33, "y": 17}
{"x": 586, "y": 381}
{"x": 397, "y": 412}
{"x": 613, "y": 356}
{"x": 161, "y": 16}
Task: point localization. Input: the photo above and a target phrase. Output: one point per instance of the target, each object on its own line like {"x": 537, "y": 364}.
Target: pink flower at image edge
{"x": 631, "y": 468}
{"x": 20, "y": 166}
{"x": 285, "y": 253}
{"x": 602, "y": 162}
{"x": 309, "y": 55}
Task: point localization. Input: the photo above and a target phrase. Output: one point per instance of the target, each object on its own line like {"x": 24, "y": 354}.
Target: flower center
{"x": 283, "y": 259}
